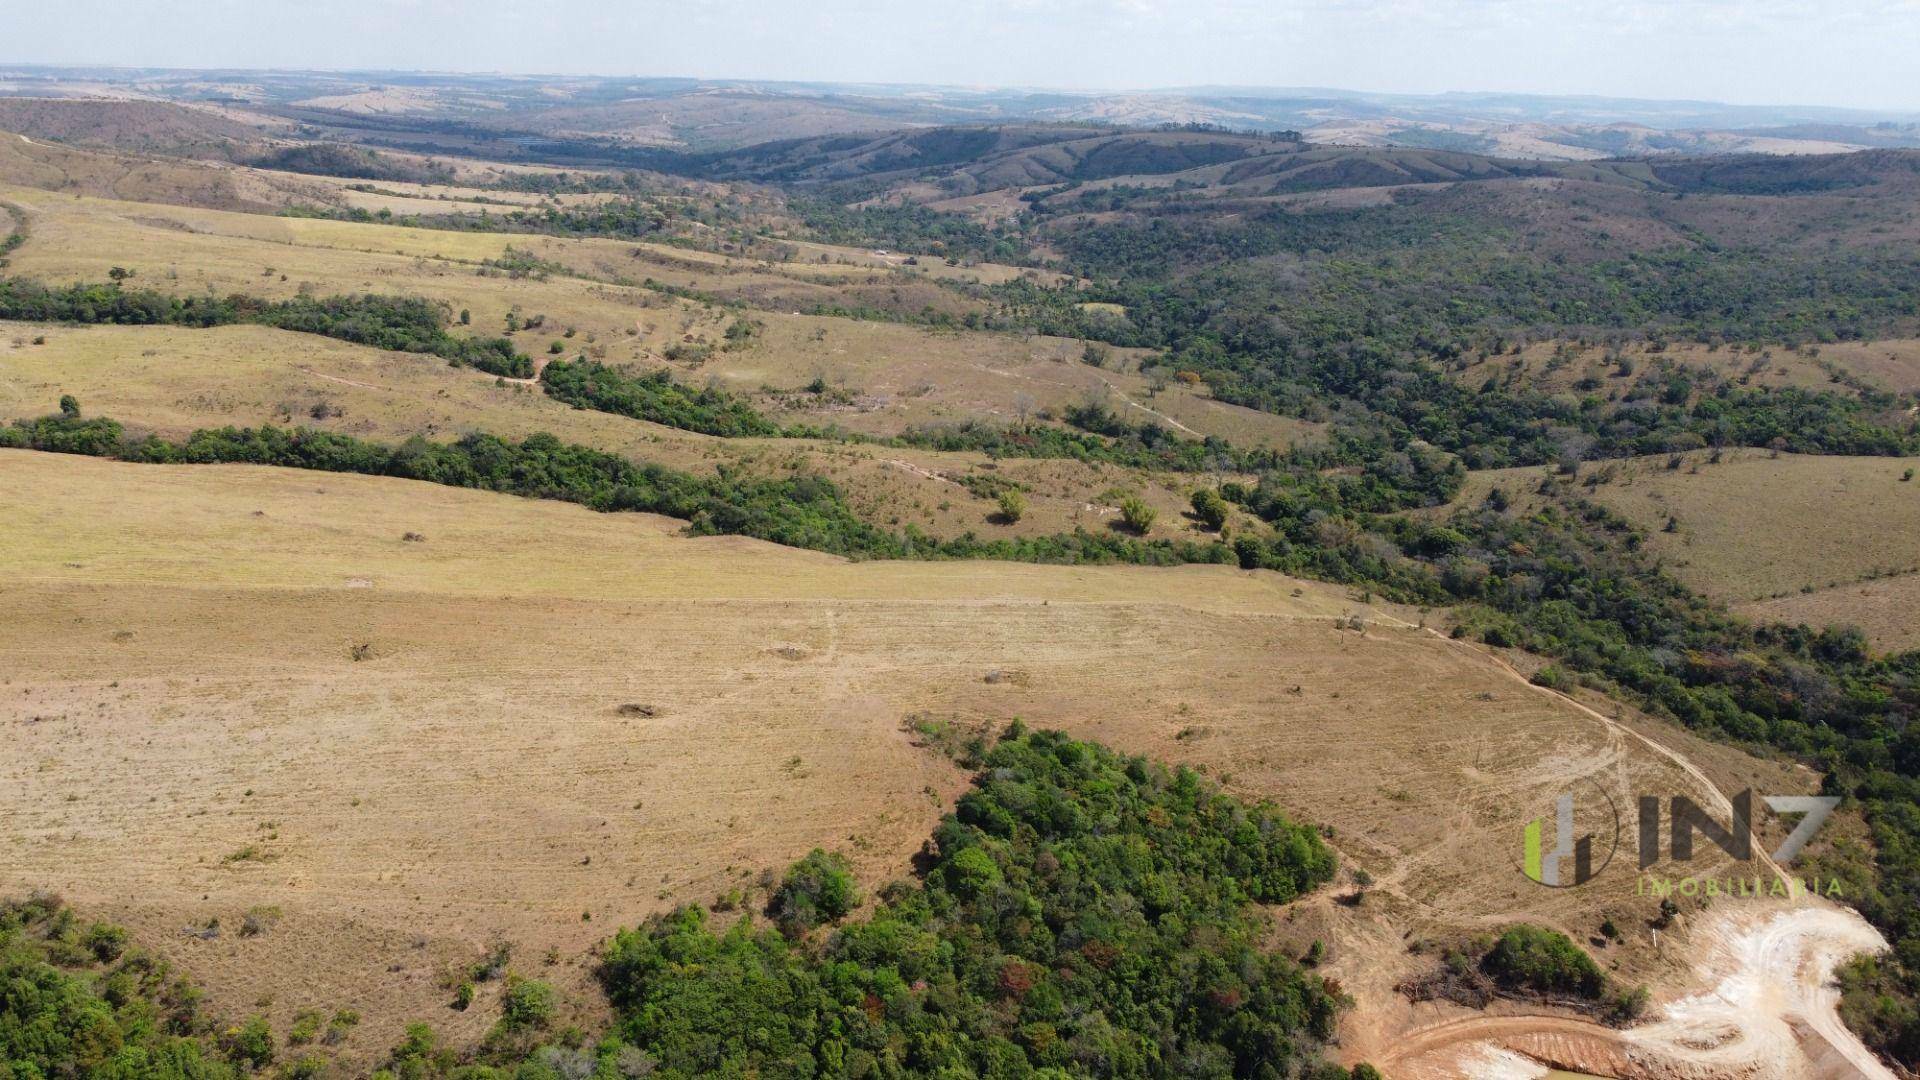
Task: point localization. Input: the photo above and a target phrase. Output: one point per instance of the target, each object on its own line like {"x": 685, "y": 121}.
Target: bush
{"x": 419, "y": 1055}
{"x": 1210, "y": 508}
{"x": 1531, "y": 958}
{"x": 1138, "y": 516}
{"x": 1553, "y": 678}
{"x": 105, "y": 942}
{"x": 817, "y": 889}
{"x": 1628, "y": 1005}
{"x": 1013, "y": 505}
{"x": 527, "y": 1005}
{"x": 250, "y": 1044}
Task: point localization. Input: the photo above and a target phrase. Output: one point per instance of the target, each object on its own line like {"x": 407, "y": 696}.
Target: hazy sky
{"x": 1840, "y": 52}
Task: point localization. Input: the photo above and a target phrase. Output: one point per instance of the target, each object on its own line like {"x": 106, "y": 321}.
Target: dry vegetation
{"x": 1883, "y": 608}
{"x": 1824, "y": 541}
{"x": 191, "y": 656}
{"x": 881, "y": 377}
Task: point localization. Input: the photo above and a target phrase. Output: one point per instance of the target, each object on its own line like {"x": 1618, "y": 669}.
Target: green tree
{"x": 1544, "y": 961}
{"x": 1013, "y": 505}
{"x": 817, "y": 889}
{"x": 1137, "y": 515}
{"x": 1210, "y": 508}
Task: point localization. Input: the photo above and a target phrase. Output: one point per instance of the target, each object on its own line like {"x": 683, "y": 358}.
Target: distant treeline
{"x": 800, "y": 511}
{"x": 654, "y": 396}
{"x": 620, "y": 219}
{"x": 403, "y": 324}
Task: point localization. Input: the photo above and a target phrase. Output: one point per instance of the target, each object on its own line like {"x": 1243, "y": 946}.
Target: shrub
{"x": 1137, "y": 515}
{"x": 527, "y": 1005}
{"x": 250, "y": 1044}
{"x": 1628, "y": 1005}
{"x": 105, "y": 942}
{"x": 420, "y": 1054}
{"x": 1210, "y": 508}
{"x": 817, "y": 889}
{"x": 1532, "y": 958}
{"x": 1013, "y": 505}
{"x": 1553, "y": 678}
{"x": 306, "y": 1028}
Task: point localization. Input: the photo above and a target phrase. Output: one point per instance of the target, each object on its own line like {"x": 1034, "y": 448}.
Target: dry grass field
{"x": 225, "y": 687}
{"x": 1756, "y": 525}
{"x": 1887, "y": 609}
{"x": 1558, "y": 367}
{"x": 370, "y": 728}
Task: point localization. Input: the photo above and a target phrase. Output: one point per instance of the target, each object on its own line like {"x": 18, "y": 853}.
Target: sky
{"x": 1860, "y": 53}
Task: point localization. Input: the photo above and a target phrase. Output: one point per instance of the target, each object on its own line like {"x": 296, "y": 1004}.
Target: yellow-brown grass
{"x": 1884, "y": 608}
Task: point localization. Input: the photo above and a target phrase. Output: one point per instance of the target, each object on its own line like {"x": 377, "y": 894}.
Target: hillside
{"x": 141, "y": 127}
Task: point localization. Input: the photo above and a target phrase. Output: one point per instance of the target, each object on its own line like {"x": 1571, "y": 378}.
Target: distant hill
{"x": 495, "y": 115}
{"x": 141, "y": 127}
{"x": 943, "y": 163}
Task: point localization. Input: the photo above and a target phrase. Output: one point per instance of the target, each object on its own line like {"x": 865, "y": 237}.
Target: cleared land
{"x": 226, "y": 687}
{"x": 1756, "y": 525}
